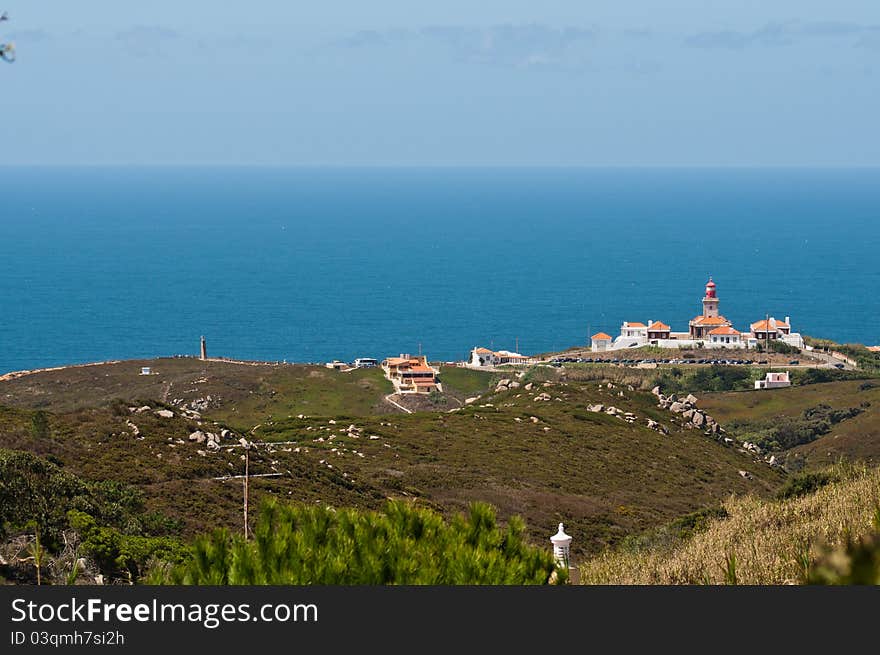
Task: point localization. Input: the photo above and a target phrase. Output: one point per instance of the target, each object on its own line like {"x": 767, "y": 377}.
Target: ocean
{"x": 309, "y": 265}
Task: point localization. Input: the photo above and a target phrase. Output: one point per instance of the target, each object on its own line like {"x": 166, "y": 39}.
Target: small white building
{"x": 600, "y": 342}
{"x": 774, "y": 381}
{"x": 636, "y": 330}
{"x": 725, "y": 336}
{"x": 482, "y": 357}
{"x": 485, "y": 357}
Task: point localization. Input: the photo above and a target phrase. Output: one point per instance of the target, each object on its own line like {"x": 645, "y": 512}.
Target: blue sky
{"x": 638, "y": 83}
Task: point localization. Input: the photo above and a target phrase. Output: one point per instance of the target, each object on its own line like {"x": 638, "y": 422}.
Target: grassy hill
{"x": 837, "y": 420}
{"x": 750, "y": 541}
{"x": 546, "y": 460}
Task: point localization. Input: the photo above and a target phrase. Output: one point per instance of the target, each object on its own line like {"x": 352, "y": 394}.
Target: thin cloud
{"x": 146, "y": 40}
{"x": 778, "y": 34}
{"x": 531, "y": 45}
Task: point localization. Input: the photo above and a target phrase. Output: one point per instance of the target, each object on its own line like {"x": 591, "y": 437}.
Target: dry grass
{"x": 768, "y": 542}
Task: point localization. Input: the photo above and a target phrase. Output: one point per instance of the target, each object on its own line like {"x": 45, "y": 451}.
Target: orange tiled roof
{"x": 761, "y": 326}
{"x": 726, "y": 329}
{"x": 657, "y": 326}
{"x": 635, "y": 325}
{"x": 484, "y": 351}
{"x": 874, "y": 349}
{"x": 600, "y": 336}
{"x": 419, "y": 368}
{"x": 710, "y": 320}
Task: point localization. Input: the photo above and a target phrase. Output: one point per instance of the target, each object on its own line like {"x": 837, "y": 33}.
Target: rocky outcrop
{"x": 691, "y": 415}
{"x": 135, "y": 430}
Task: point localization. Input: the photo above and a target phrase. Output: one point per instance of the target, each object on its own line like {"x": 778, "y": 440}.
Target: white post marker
{"x": 561, "y": 547}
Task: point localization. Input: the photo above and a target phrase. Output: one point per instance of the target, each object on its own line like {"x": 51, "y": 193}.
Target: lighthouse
{"x": 710, "y": 300}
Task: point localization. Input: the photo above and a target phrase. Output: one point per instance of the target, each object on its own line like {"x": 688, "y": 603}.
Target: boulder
{"x": 656, "y": 391}
{"x": 596, "y": 408}
{"x": 513, "y": 385}
{"x": 469, "y": 401}
{"x": 690, "y": 398}
{"x": 529, "y": 386}
{"x": 677, "y": 407}
{"x": 164, "y": 413}
{"x": 503, "y": 383}
{"x": 698, "y": 419}
{"x": 745, "y": 474}
{"x": 198, "y": 436}
{"x": 225, "y": 434}
{"x": 141, "y": 410}
{"x": 688, "y": 414}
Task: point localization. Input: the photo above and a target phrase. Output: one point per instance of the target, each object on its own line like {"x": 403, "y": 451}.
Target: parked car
{"x": 838, "y": 366}
{"x": 794, "y": 362}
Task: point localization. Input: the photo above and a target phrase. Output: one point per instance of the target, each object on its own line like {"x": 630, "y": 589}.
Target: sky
{"x": 400, "y": 83}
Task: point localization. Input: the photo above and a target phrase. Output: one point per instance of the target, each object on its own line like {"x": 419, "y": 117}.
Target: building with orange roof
{"x": 600, "y": 342}
{"x": 659, "y": 330}
{"x": 485, "y": 357}
{"x": 725, "y": 336}
{"x": 634, "y": 330}
{"x": 411, "y": 374}
{"x": 700, "y": 326}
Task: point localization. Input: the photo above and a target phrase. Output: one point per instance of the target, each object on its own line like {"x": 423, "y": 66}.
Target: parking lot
{"x": 560, "y": 361}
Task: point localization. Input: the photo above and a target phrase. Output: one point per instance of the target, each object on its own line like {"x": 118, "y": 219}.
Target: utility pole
{"x": 247, "y": 461}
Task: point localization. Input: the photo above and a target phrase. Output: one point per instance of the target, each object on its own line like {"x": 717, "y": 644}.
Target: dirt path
{"x": 396, "y": 404}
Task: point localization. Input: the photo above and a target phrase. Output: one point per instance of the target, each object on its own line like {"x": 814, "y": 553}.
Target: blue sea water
{"x": 315, "y": 264}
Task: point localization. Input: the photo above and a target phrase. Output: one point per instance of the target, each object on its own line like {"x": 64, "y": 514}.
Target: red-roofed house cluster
{"x": 411, "y": 374}
{"x": 709, "y": 329}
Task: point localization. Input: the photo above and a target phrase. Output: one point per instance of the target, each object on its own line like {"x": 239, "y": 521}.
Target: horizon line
{"x": 451, "y": 166}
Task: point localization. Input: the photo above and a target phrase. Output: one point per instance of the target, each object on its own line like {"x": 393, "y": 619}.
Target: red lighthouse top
{"x": 710, "y": 289}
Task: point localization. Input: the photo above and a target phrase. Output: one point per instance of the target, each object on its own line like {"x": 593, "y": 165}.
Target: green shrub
{"x": 40, "y": 425}
{"x": 803, "y": 484}
{"x": 400, "y": 544}
{"x": 121, "y": 555}
{"x": 856, "y": 562}
{"x": 778, "y": 346}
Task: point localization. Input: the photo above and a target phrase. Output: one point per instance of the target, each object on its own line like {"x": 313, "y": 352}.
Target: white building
{"x": 634, "y": 330}
{"x": 772, "y": 329}
{"x": 774, "y": 381}
{"x": 725, "y": 336}
{"x": 600, "y": 342}
{"x": 485, "y": 357}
